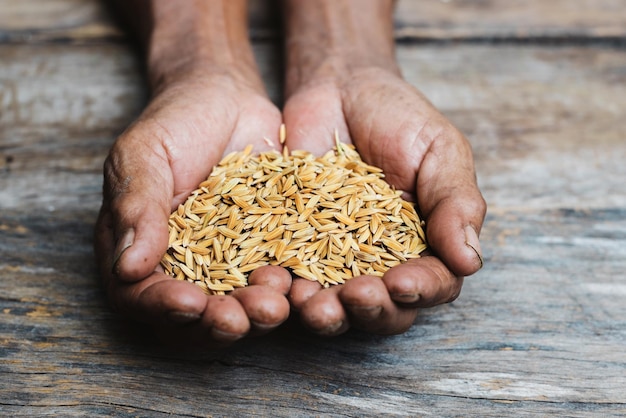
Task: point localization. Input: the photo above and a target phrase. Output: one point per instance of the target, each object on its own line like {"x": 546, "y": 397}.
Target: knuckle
{"x": 455, "y": 291}
{"x": 481, "y": 205}
{"x": 475, "y": 208}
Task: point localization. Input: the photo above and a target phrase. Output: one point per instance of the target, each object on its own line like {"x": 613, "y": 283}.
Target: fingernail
{"x": 225, "y": 336}
{"x": 331, "y": 330}
{"x": 471, "y": 240}
{"x": 263, "y": 327}
{"x": 122, "y": 245}
{"x": 182, "y": 317}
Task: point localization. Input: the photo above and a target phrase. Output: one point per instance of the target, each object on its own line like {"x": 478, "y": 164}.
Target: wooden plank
{"x": 49, "y": 14}
{"x": 523, "y": 108}
{"x": 510, "y": 19}
{"x": 85, "y": 21}
{"x": 539, "y": 331}
{"x": 41, "y": 20}
{"x": 546, "y": 123}
{"x": 89, "y": 20}
{"x": 60, "y": 110}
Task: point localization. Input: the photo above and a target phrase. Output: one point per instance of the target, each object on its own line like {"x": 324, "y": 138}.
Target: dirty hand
{"x": 344, "y": 77}
{"x": 200, "y": 111}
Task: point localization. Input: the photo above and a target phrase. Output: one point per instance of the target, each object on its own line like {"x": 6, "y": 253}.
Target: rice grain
{"x": 327, "y": 219}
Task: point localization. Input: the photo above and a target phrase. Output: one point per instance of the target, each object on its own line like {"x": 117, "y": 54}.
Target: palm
{"x": 397, "y": 137}
{"x": 395, "y": 128}
{"x": 152, "y": 168}
{"x": 196, "y": 129}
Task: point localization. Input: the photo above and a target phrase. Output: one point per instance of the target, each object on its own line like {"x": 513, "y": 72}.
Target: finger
{"x": 159, "y": 299}
{"x": 324, "y": 314}
{"x": 301, "y": 291}
{"x": 409, "y": 139}
{"x": 265, "y": 307}
{"x": 223, "y": 322}
{"x": 152, "y": 300}
{"x": 138, "y": 189}
{"x": 451, "y": 202}
{"x": 274, "y": 277}
{"x": 370, "y": 308}
{"x": 422, "y": 283}
{"x": 104, "y": 244}
{"x": 181, "y": 308}
{"x": 226, "y": 318}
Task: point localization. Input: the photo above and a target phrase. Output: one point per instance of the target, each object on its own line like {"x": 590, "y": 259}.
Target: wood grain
{"x": 525, "y": 338}
{"x": 60, "y": 20}
{"x": 561, "y": 104}
{"x": 510, "y": 19}
{"x": 88, "y": 21}
{"x": 539, "y": 331}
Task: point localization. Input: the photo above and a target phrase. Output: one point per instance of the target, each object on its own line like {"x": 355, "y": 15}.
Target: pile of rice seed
{"x": 327, "y": 219}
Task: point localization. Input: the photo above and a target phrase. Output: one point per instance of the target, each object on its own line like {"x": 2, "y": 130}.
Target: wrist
{"x": 331, "y": 40}
{"x": 198, "y": 38}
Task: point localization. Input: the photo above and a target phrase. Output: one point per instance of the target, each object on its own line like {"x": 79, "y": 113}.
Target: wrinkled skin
{"x": 161, "y": 158}
{"x": 199, "y": 113}
{"x": 395, "y": 128}
{"x": 152, "y": 168}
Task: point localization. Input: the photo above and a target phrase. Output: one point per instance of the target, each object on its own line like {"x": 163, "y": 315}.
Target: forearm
{"x": 182, "y": 38}
{"x": 327, "y": 38}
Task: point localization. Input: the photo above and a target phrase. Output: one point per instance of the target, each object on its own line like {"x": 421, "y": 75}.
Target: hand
{"x": 153, "y": 166}
{"x": 395, "y": 128}
{"x": 342, "y": 74}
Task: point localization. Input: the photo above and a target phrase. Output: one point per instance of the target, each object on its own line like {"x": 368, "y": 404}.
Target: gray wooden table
{"x": 539, "y": 88}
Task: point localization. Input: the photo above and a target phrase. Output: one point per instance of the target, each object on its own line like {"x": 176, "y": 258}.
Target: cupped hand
{"x": 394, "y": 127}
{"x": 153, "y": 166}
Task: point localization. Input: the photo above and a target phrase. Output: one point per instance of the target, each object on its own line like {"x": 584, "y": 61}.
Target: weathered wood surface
{"x": 524, "y": 108}
{"x": 78, "y": 20}
{"x": 541, "y": 330}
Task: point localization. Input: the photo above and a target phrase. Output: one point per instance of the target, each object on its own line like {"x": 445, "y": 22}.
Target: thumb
{"x": 451, "y": 202}
{"x": 138, "y": 187}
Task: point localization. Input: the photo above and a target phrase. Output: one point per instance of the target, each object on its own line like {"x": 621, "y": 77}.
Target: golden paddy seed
{"x": 327, "y": 219}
